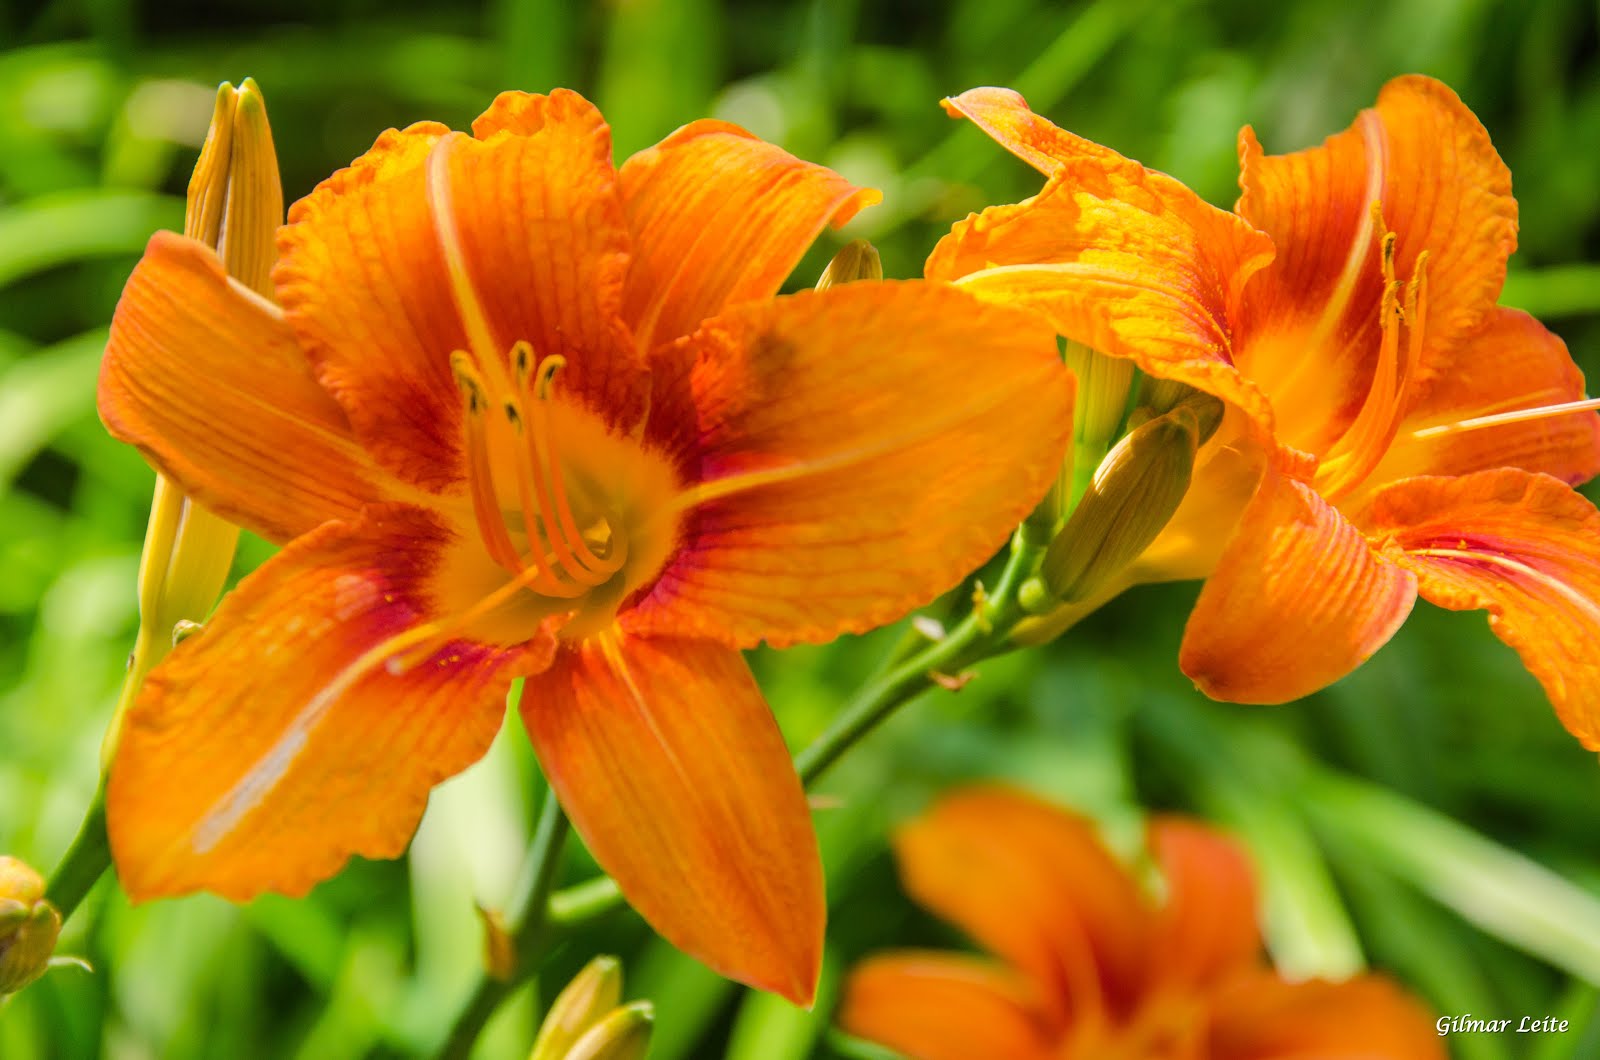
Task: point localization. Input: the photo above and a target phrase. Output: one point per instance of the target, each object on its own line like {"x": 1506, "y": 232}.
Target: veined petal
{"x": 719, "y": 216}
{"x": 1206, "y": 929}
{"x": 207, "y": 380}
{"x": 1298, "y": 601}
{"x": 431, "y": 243}
{"x": 1036, "y": 886}
{"x": 1513, "y": 363}
{"x": 1523, "y": 547}
{"x": 843, "y": 459}
{"x": 1122, "y": 259}
{"x": 1007, "y": 118}
{"x": 544, "y": 242}
{"x": 673, "y": 770}
{"x": 1310, "y": 328}
{"x": 270, "y": 747}
{"x": 363, "y": 282}
{"x": 1261, "y": 1017}
{"x": 940, "y": 1006}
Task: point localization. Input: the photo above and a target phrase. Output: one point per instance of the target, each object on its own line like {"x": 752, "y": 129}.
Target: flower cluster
{"x": 512, "y": 411}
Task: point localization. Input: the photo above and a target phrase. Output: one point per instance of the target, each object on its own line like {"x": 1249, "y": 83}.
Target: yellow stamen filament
{"x": 1582, "y": 604}
{"x": 555, "y": 510}
{"x": 1500, "y": 419}
{"x": 480, "y": 475}
{"x": 1367, "y": 440}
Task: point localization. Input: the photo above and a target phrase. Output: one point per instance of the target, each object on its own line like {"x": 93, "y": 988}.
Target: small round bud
{"x": 29, "y": 926}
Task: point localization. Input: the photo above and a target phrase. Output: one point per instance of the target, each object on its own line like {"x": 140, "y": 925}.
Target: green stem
{"x": 529, "y": 913}
{"x": 980, "y": 635}
{"x": 85, "y": 861}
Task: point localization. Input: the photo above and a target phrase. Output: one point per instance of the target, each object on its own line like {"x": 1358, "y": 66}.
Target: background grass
{"x": 1427, "y": 815}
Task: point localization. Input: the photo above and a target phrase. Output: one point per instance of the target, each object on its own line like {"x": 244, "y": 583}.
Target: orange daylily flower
{"x": 1392, "y": 431}
{"x": 1091, "y": 966}
{"x": 523, "y": 413}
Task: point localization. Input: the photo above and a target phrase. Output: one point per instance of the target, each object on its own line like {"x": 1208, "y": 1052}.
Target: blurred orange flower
{"x": 523, "y": 413}
{"x": 1392, "y": 431}
{"x": 1092, "y": 967}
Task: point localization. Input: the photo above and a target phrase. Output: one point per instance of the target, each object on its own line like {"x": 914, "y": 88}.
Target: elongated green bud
{"x": 29, "y": 926}
{"x": 235, "y": 205}
{"x": 585, "y": 1002}
{"x": 622, "y": 1035}
{"x": 857, "y": 260}
{"x": 1133, "y": 494}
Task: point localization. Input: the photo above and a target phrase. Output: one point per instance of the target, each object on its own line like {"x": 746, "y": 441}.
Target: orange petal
{"x": 206, "y": 379}
{"x": 1299, "y": 600}
{"x": 672, "y": 769}
{"x": 1206, "y": 929}
{"x": 719, "y": 216}
{"x": 1007, "y": 118}
{"x": 1261, "y": 1017}
{"x": 272, "y": 746}
{"x": 1311, "y": 320}
{"x": 408, "y": 255}
{"x": 1035, "y": 885}
{"x": 844, "y": 460}
{"x": 1524, "y": 547}
{"x": 1513, "y": 363}
{"x": 545, "y": 245}
{"x": 939, "y": 1006}
{"x": 1125, "y": 260}
{"x": 363, "y": 282}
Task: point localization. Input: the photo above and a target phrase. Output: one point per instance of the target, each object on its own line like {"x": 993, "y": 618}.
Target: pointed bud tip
{"x": 856, "y": 260}
{"x": 624, "y": 1034}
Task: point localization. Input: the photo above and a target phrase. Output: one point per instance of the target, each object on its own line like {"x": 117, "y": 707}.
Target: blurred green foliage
{"x": 1427, "y": 815}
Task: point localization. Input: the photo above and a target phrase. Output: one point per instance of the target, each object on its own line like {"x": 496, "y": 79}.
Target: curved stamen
{"x": 560, "y": 526}
{"x": 1500, "y": 419}
{"x": 480, "y": 475}
{"x": 521, "y": 357}
{"x": 1367, "y": 440}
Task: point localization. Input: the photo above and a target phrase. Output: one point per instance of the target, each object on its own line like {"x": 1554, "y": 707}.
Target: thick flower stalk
{"x": 1391, "y": 431}
{"x": 1090, "y": 964}
{"x": 523, "y": 413}
{"x": 235, "y": 204}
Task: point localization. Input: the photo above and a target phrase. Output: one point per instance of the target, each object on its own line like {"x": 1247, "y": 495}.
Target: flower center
{"x": 567, "y": 511}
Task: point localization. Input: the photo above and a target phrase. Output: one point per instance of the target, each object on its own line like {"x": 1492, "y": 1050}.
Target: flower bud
{"x": 1163, "y": 395}
{"x": 623, "y": 1035}
{"x": 28, "y": 926}
{"x": 1133, "y": 494}
{"x": 235, "y": 205}
{"x": 857, "y": 260}
{"x": 584, "y": 1004}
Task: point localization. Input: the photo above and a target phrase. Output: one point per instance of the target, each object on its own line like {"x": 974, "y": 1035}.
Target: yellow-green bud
{"x": 587, "y": 1000}
{"x": 235, "y": 205}
{"x": 623, "y": 1035}
{"x": 857, "y": 260}
{"x": 1133, "y": 494}
{"x": 29, "y": 926}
